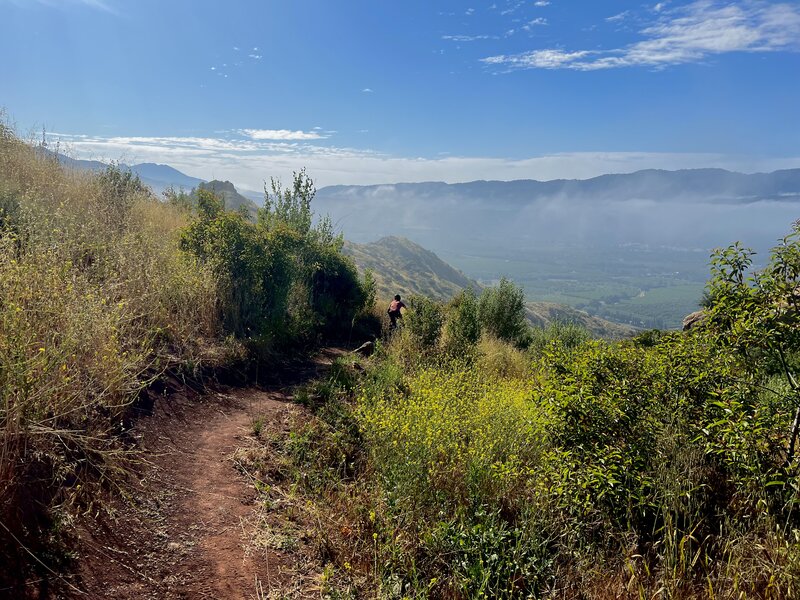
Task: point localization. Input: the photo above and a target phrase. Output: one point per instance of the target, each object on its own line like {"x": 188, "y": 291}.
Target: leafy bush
{"x": 424, "y": 321}
{"x": 462, "y": 326}
{"x": 564, "y": 334}
{"x": 501, "y": 311}
{"x": 281, "y": 281}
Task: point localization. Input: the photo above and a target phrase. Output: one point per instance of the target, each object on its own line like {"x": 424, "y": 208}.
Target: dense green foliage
{"x": 281, "y": 280}
{"x": 660, "y": 466}
{"x": 463, "y": 325}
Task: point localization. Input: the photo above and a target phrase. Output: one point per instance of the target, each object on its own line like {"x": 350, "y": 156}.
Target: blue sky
{"x": 367, "y": 92}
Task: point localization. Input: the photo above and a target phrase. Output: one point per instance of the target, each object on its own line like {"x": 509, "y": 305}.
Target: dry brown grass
{"x": 95, "y": 301}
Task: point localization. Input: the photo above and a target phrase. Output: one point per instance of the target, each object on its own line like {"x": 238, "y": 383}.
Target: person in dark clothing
{"x": 394, "y": 312}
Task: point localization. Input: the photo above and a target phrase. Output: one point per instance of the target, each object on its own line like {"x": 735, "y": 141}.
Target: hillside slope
{"x": 234, "y": 201}
{"x": 402, "y": 267}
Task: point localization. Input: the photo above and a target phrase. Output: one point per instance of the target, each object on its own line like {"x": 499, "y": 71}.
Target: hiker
{"x": 394, "y": 312}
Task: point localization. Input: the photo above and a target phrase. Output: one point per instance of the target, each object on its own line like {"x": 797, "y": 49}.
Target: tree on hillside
{"x": 463, "y": 326}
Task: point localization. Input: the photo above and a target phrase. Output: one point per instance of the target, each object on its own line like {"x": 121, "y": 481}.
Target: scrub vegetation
{"x": 470, "y": 459}
{"x": 471, "y": 456}
{"x": 104, "y": 290}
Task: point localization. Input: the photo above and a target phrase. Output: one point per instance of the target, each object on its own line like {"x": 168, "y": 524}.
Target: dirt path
{"x": 182, "y": 535}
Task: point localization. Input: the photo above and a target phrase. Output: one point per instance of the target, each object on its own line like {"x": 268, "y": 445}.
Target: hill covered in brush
{"x": 105, "y": 290}
{"x": 402, "y": 267}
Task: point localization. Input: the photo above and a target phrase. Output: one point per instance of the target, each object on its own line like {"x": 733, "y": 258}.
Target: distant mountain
{"x": 157, "y": 177}
{"x": 234, "y": 201}
{"x": 402, "y": 267}
{"x": 692, "y": 209}
{"x": 717, "y": 185}
{"x": 72, "y": 163}
{"x": 160, "y": 177}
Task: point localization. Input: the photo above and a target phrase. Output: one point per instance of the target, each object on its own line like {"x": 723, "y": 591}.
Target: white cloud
{"x": 618, "y": 17}
{"x": 255, "y": 56}
{"x": 248, "y": 162}
{"x": 281, "y": 134}
{"x": 367, "y": 90}
{"x": 466, "y": 38}
{"x": 534, "y": 23}
{"x": 538, "y": 59}
{"x": 513, "y": 6}
{"x": 690, "y": 34}
{"x": 541, "y": 3}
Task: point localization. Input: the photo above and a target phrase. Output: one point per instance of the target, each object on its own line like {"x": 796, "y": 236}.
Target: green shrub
{"x": 281, "y": 281}
{"x": 462, "y": 326}
{"x": 565, "y": 334}
{"x": 501, "y": 311}
{"x": 424, "y": 321}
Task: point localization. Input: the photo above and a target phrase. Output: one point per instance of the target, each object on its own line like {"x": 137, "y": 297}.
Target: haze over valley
{"x": 633, "y": 247}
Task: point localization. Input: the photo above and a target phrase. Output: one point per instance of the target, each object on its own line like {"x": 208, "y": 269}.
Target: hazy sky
{"x": 363, "y": 92}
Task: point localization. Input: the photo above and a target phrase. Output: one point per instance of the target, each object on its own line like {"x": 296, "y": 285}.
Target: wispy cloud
{"x": 281, "y": 134}
{"x": 511, "y": 7}
{"x": 467, "y": 38}
{"x": 104, "y": 5}
{"x": 367, "y": 91}
{"x": 541, "y": 3}
{"x": 689, "y": 34}
{"x": 540, "y": 21}
{"x": 618, "y": 17}
{"x": 248, "y": 162}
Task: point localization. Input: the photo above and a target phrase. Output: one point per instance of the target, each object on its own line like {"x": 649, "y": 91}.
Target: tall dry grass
{"x": 96, "y": 300}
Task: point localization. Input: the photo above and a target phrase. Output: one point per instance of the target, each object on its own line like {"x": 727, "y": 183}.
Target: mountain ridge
{"x": 648, "y": 183}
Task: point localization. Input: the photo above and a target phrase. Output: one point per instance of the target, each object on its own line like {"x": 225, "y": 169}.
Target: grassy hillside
{"x": 402, "y": 267}
{"x": 453, "y": 465}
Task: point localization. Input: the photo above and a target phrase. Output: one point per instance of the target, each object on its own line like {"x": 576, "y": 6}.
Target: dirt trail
{"x": 182, "y": 534}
